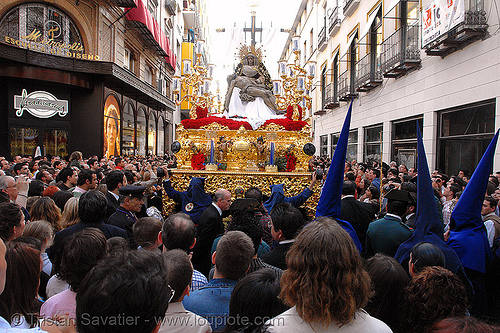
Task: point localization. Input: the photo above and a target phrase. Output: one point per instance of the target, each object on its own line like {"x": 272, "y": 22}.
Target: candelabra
{"x": 193, "y": 85}
{"x": 295, "y": 84}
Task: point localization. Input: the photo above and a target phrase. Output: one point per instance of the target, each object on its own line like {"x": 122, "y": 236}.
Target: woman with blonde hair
{"x": 43, "y": 231}
{"x": 70, "y": 213}
{"x": 46, "y": 209}
{"x": 325, "y": 284}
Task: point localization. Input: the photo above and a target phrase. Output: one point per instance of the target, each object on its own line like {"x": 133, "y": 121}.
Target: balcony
{"x": 331, "y": 99}
{"x": 170, "y": 6}
{"x": 333, "y": 22}
{"x": 346, "y": 91}
{"x": 350, "y": 6}
{"x": 401, "y": 52}
{"x": 322, "y": 39}
{"x": 473, "y": 28}
{"x": 368, "y": 75}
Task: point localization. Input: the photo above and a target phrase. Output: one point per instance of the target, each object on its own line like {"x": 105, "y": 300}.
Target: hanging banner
{"x": 440, "y": 17}
{"x": 111, "y": 127}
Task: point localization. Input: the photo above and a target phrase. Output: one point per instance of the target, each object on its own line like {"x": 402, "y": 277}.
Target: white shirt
{"x": 6, "y": 328}
{"x": 490, "y": 228}
{"x": 179, "y": 320}
{"x": 218, "y": 209}
{"x": 290, "y": 322}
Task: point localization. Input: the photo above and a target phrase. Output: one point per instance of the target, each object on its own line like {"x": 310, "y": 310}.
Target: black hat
{"x": 399, "y": 195}
{"x": 248, "y": 204}
{"x": 132, "y": 191}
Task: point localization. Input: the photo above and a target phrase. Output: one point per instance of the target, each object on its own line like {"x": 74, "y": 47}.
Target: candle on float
{"x": 212, "y": 151}
{"x": 271, "y": 157}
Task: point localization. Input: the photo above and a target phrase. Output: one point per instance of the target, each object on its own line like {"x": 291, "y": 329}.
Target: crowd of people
{"x": 86, "y": 246}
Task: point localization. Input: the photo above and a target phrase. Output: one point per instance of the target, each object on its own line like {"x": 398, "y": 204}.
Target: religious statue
{"x": 259, "y": 146}
{"x": 222, "y": 148}
{"x": 249, "y": 94}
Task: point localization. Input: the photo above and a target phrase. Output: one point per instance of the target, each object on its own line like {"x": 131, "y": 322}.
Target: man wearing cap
{"x": 386, "y": 234}
{"x": 130, "y": 204}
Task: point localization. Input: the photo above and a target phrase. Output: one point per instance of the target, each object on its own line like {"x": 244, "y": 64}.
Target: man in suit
{"x": 91, "y": 210}
{"x": 209, "y": 227}
{"x": 114, "y": 180}
{"x": 287, "y": 221}
{"x": 358, "y": 214}
{"x": 386, "y": 234}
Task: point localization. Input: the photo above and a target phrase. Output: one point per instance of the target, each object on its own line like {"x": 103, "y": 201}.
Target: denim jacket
{"x": 212, "y": 302}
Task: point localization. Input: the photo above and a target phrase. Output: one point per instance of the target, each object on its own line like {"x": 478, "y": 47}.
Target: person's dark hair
{"x": 114, "y": 178}
{"x": 397, "y": 207}
{"x": 350, "y": 176}
{"x": 375, "y": 192}
{"x": 64, "y": 174}
{"x": 179, "y": 271}
{"x": 455, "y": 189}
{"x": 255, "y": 193}
{"x": 84, "y": 175}
{"x": 10, "y": 217}
{"x": 60, "y": 198}
{"x": 394, "y": 172}
{"x": 117, "y": 244}
{"x": 91, "y": 161}
{"x": 288, "y": 219}
{"x": 146, "y": 231}
{"x": 248, "y": 223}
{"x": 406, "y": 178}
{"x": 256, "y": 298}
{"x": 75, "y": 156}
{"x": 129, "y": 284}
{"x": 21, "y": 282}
{"x": 82, "y": 252}
{"x": 233, "y": 255}
{"x": 492, "y": 201}
{"x": 118, "y": 160}
{"x": 130, "y": 176}
{"x": 178, "y": 232}
{"x": 426, "y": 254}
{"x": 459, "y": 181}
{"x": 376, "y": 172}
{"x": 348, "y": 187}
{"x": 388, "y": 283}
{"x": 494, "y": 180}
{"x": 17, "y": 167}
{"x": 490, "y": 188}
{"x": 465, "y": 324}
{"x": 434, "y": 294}
{"x": 92, "y": 206}
{"x": 408, "y": 186}
{"x": 36, "y": 188}
{"x": 56, "y": 164}
{"x": 325, "y": 279}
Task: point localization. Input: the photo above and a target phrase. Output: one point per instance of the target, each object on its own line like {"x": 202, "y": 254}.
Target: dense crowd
{"x": 86, "y": 246}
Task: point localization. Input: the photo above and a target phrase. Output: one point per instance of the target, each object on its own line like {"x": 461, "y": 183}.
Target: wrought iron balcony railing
{"x": 401, "y": 51}
{"x": 346, "y": 90}
{"x": 333, "y": 21}
{"x": 331, "y": 97}
{"x": 368, "y": 75}
{"x": 322, "y": 39}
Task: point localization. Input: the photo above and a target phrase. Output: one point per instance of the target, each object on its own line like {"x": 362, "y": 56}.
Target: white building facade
{"x": 432, "y": 63}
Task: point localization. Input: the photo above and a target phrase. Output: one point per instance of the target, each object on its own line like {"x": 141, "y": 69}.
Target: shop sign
{"x": 439, "y": 17}
{"x": 40, "y": 104}
{"x": 35, "y": 42}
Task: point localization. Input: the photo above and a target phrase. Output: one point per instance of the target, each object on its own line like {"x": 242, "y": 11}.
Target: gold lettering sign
{"x": 35, "y": 42}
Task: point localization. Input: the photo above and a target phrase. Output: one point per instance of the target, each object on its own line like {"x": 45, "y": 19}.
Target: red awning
{"x": 147, "y": 25}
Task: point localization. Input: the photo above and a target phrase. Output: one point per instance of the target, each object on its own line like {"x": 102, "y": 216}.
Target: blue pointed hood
{"x": 329, "y": 200}
{"x": 427, "y": 225}
{"x": 467, "y": 232}
{"x": 277, "y": 196}
{"x": 196, "y": 192}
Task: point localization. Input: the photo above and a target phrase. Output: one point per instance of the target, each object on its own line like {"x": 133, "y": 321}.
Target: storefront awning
{"x": 349, "y": 42}
{"x": 369, "y": 23}
{"x": 150, "y": 29}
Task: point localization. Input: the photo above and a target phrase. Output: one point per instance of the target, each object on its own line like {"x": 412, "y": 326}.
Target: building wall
{"x": 463, "y": 77}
